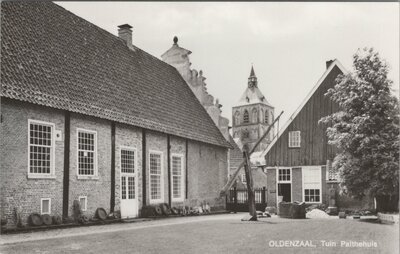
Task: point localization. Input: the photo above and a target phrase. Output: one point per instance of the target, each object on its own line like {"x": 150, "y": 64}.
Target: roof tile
{"x": 51, "y": 57}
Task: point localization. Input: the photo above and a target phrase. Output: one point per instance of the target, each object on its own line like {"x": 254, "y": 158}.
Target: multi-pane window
{"x": 127, "y": 161}
{"x": 41, "y": 147}
{"x": 123, "y": 187}
{"x": 155, "y": 176}
{"x": 284, "y": 175}
{"x": 294, "y": 138}
{"x": 83, "y": 202}
{"x": 246, "y": 116}
{"x": 131, "y": 187}
{"x": 312, "y": 184}
{"x": 177, "y": 177}
{"x": 87, "y": 153}
{"x": 311, "y": 195}
{"x": 45, "y": 206}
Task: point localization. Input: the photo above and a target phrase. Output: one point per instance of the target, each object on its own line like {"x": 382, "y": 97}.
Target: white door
{"x": 129, "y": 199}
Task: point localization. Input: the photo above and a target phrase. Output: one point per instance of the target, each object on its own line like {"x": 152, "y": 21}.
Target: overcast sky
{"x": 288, "y": 43}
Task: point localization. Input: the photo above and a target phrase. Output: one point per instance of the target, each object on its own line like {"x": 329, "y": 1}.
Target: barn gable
{"x": 313, "y": 148}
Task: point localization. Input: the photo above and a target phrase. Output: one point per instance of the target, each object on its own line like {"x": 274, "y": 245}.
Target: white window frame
{"x": 134, "y": 150}
{"x": 304, "y": 187}
{"x": 41, "y": 205}
{"x": 95, "y": 173}
{"x": 52, "y": 154}
{"x": 291, "y": 137}
{"x": 79, "y": 199}
{"x": 290, "y": 175}
{"x": 161, "y": 200}
{"x": 181, "y": 198}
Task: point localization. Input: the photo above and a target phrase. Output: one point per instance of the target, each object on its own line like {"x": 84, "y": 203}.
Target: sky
{"x": 287, "y": 43}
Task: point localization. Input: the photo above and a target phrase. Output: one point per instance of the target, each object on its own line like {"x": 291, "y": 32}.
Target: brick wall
{"x": 297, "y": 188}
{"x": 207, "y": 173}
{"x": 207, "y": 164}
{"x": 17, "y": 190}
{"x": 97, "y": 189}
{"x": 271, "y": 186}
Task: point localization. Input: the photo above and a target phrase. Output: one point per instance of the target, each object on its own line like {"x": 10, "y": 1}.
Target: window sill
{"x": 38, "y": 176}
{"x": 81, "y": 177}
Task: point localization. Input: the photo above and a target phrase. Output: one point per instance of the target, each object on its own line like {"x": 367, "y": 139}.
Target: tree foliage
{"x": 366, "y": 129}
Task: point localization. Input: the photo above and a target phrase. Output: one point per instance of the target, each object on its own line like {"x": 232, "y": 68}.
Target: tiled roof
{"x": 51, "y": 57}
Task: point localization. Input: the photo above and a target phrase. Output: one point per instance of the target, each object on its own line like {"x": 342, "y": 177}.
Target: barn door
{"x": 129, "y": 199}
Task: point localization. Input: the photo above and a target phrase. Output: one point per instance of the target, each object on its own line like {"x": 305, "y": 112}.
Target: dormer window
{"x": 247, "y": 99}
{"x": 246, "y": 117}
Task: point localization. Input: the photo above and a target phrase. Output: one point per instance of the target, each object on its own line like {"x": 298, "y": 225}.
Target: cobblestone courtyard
{"x": 211, "y": 234}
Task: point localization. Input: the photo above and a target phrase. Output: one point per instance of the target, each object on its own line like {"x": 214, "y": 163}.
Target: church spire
{"x": 252, "y": 78}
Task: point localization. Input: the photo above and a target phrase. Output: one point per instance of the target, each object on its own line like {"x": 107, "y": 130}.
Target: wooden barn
{"x": 298, "y": 162}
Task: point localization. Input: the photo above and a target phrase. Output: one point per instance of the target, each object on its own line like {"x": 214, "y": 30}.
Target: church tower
{"x": 252, "y": 116}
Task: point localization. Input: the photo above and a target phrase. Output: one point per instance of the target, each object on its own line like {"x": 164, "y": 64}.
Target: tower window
{"x": 246, "y": 134}
{"x": 246, "y": 117}
{"x": 254, "y": 116}
{"x": 237, "y": 118}
{"x": 266, "y": 117}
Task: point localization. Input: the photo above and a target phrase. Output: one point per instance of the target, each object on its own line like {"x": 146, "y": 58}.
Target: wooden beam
{"x": 169, "y": 169}
{"x": 230, "y": 182}
{"x": 67, "y": 141}
{"x": 144, "y": 160}
{"x": 112, "y": 199}
{"x": 186, "y": 170}
{"x": 250, "y": 190}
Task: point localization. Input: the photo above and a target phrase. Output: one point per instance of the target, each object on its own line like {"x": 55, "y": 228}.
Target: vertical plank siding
{"x": 314, "y": 148}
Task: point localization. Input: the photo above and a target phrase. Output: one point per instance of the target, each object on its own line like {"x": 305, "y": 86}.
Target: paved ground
{"x": 211, "y": 234}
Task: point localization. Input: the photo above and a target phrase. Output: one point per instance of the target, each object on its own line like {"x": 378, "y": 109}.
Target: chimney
{"x": 125, "y": 33}
{"x": 328, "y": 63}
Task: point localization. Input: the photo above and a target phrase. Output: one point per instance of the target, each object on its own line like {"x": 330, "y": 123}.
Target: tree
{"x": 366, "y": 130}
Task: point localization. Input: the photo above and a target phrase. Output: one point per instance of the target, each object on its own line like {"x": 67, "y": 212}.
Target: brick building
{"x": 87, "y": 116}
